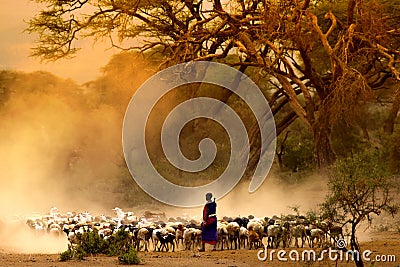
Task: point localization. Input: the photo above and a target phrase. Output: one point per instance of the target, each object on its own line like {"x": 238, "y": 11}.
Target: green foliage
{"x": 299, "y": 154}
{"x": 367, "y": 133}
{"x": 79, "y": 253}
{"x": 129, "y": 258}
{"x": 113, "y": 250}
{"x": 297, "y": 149}
{"x": 360, "y": 186}
{"x": 391, "y": 151}
{"x": 120, "y": 241}
{"x": 311, "y": 215}
{"x": 66, "y": 255}
{"x": 347, "y": 140}
{"x": 91, "y": 243}
{"x": 295, "y": 208}
{"x": 76, "y": 253}
{"x": 363, "y": 165}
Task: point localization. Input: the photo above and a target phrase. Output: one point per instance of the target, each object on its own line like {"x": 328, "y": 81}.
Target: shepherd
{"x": 209, "y": 225}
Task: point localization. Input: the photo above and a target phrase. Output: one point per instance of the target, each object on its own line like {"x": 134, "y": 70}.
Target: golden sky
{"x": 15, "y": 47}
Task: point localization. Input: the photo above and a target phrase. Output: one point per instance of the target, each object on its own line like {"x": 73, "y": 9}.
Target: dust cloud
{"x": 52, "y": 151}
{"x": 274, "y": 197}
{"x": 42, "y": 138}
{"x": 60, "y": 146}
{"x": 15, "y": 238}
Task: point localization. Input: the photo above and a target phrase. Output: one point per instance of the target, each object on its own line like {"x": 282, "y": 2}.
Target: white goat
{"x": 233, "y": 234}
{"x": 143, "y": 236}
{"x": 243, "y": 236}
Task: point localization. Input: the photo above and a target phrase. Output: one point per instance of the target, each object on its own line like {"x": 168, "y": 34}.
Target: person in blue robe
{"x": 209, "y": 233}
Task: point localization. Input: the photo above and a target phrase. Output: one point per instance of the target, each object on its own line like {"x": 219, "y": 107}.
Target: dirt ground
{"x": 384, "y": 243}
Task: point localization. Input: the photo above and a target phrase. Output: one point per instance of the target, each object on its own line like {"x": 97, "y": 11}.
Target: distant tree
{"x": 359, "y": 188}
{"x": 322, "y": 62}
{"x": 6, "y": 79}
{"x": 121, "y": 76}
{"x": 295, "y": 149}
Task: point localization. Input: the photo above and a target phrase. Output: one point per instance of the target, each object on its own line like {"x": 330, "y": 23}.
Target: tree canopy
{"x": 322, "y": 59}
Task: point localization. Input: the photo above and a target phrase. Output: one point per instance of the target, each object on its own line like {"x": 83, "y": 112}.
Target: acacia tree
{"x": 283, "y": 40}
{"x": 359, "y": 188}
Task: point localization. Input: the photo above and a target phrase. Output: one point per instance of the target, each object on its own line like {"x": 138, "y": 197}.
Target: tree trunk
{"x": 389, "y": 124}
{"x": 323, "y": 152}
{"x": 281, "y": 151}
{"x": 355, "y": 247}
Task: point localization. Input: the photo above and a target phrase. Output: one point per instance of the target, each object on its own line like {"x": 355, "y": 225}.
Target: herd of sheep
{"x": 185, "y": 233}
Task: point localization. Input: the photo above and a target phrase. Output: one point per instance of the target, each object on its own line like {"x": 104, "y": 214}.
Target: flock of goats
{"x": 233, "y": 233}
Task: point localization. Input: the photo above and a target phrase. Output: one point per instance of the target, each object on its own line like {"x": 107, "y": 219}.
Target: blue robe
{"x": 209, "y": 226}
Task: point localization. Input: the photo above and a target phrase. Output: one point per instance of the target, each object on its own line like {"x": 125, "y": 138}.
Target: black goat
{"x": 165, "y": 240}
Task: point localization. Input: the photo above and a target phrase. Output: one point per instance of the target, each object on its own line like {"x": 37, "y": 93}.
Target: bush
{"x": 66, "y": 255}
{"x": 381, "y": 228}
{"x": 113, "y": 250}
{"x": 129, "y": 258}
{"x": 119, "y": 242}
{"x": 77, "y": 253}
{"x": 91, "y": 243}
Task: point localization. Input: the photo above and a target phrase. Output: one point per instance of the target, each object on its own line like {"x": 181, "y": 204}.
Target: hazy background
{"x": 60, "y": 140}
